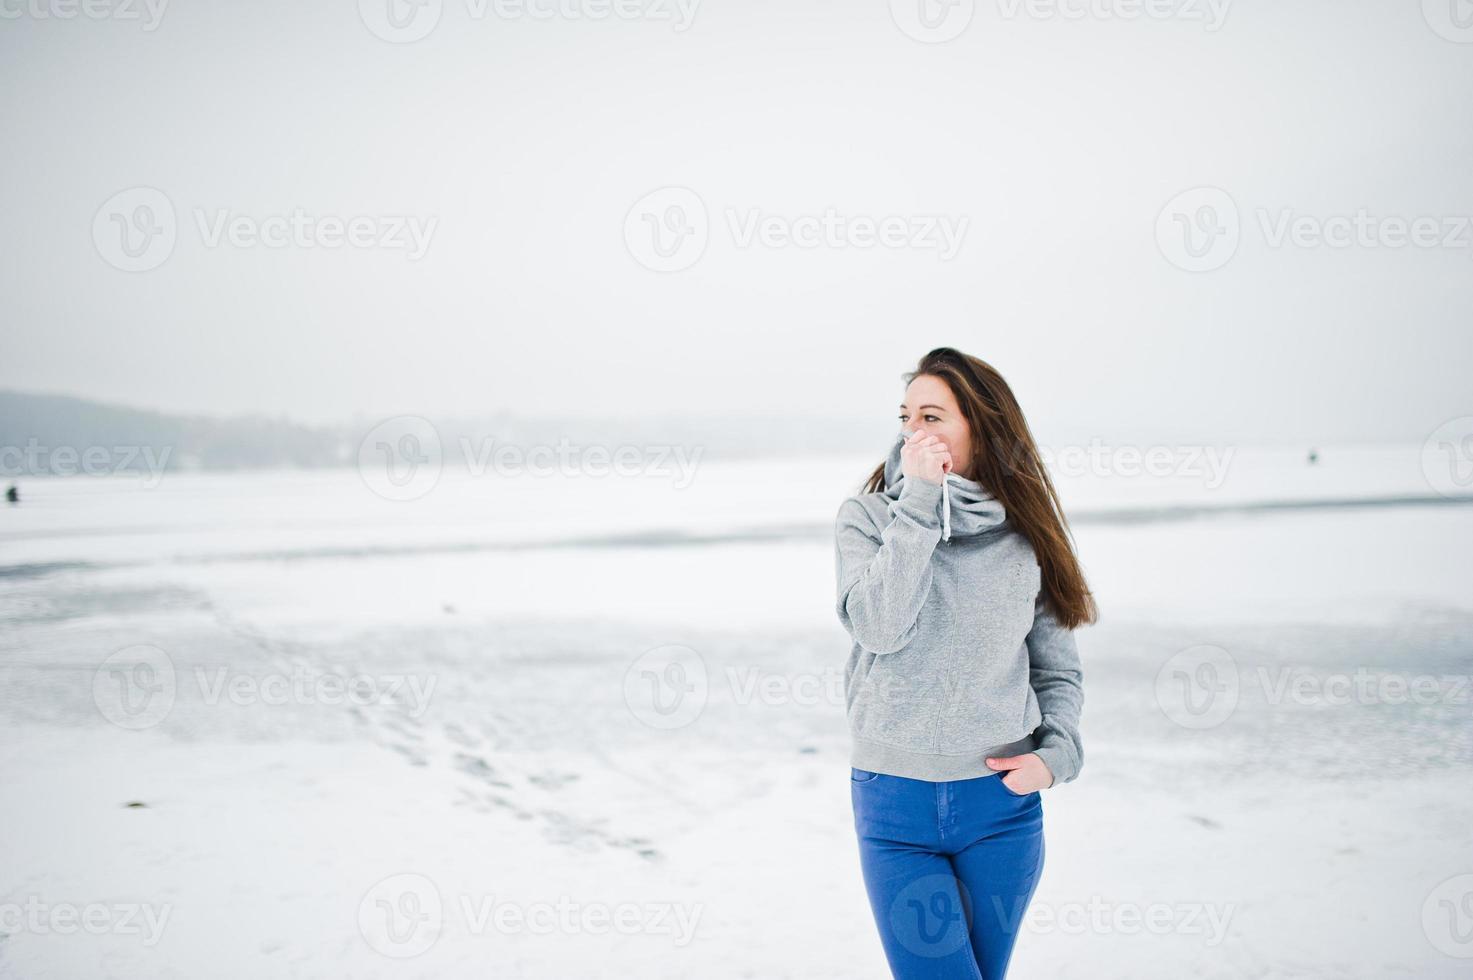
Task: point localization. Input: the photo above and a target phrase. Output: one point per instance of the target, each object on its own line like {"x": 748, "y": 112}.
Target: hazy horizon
{"x": 521, "y": 178}
{"x": 857, "y": 434}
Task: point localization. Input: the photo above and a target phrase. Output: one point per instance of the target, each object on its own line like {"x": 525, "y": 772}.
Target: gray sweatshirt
{"x": 956, "y": 656}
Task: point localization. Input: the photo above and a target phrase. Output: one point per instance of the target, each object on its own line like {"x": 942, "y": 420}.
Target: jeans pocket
{"x": 1006, "y": 789}
{"x": 861, "y": 775}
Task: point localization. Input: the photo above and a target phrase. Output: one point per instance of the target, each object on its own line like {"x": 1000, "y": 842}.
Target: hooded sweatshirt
{"x": 957, "y": 656}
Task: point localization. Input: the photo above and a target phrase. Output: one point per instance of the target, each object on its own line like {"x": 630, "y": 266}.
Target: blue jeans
{"x": 950, "y": 868}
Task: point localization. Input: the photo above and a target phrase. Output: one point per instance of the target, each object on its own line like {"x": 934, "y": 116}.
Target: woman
{"x": 959, "y": 585}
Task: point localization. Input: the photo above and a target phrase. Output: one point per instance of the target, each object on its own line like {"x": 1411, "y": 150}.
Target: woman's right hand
{"x": 924, "y": 458}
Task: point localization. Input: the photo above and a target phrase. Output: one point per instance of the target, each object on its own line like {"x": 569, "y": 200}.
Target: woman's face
{"x": 930, "y": 408}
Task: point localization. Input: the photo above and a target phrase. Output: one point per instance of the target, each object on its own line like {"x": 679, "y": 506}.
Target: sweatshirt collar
{"x": 966, "y": 507}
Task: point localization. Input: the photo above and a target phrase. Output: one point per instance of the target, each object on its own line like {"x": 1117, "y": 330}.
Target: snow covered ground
{"x": 441, "y": 738}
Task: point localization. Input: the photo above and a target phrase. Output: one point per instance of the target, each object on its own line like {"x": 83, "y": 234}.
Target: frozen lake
{"x": 386, "y": 738}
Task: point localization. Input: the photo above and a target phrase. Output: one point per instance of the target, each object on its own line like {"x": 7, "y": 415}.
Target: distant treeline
{"x": 64, "y": 435}
{"x": 58, "y": 434}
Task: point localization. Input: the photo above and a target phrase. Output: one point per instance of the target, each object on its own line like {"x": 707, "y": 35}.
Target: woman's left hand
{"x": 1028, "y": 773}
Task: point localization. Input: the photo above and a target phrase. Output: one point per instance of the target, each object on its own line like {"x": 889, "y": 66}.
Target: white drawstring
{"x": 945, "y": 509}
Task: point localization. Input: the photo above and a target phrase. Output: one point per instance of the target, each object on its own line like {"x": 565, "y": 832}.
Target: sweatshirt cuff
{"x": 1060, "y": 760}
{"x": 921, "y": 501}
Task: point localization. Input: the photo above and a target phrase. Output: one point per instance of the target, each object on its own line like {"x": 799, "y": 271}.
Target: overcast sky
{"x": 1017, "y": 171}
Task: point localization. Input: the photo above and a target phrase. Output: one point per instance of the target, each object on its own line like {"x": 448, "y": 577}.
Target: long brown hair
{"x": 1007, "y": 465}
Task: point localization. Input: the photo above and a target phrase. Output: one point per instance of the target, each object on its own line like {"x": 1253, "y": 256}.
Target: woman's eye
{"x": 932, "y": 418}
